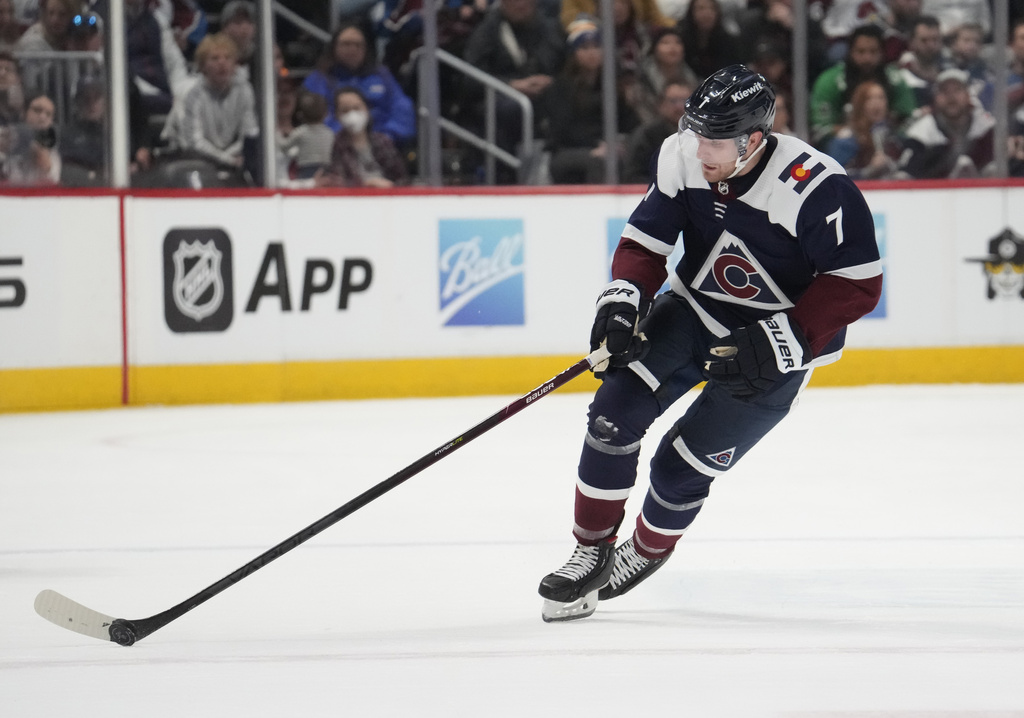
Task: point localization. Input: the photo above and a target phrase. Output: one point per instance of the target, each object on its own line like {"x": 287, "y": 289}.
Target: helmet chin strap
{"x": 741, "y": 163}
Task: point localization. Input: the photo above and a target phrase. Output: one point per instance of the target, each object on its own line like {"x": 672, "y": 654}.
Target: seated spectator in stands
{"x": 645, "y": 141}
{"x": 954, "y": 13}
{"x": 309, "y": 145}
{"x": 83, "y": 140}
{"x": 85, "y": 34}
{"x": 187, "y": 21}
{"x": 218, "y": 115}
{"x": 902, "y": 20}
{"x": 784, "y": 114}
{"x": 832, "y": 89}
{"x": 362, "y": 157}
{"x": 965, "y": 53}
{"x": 238, "y": 21}
{"x": 578, "y": 147}
{"x": 921, "y": 64}
{"x": 521, "y": 46}
{"x": 866, "y": 146}
{"x": 10, "y": 28}
{"x": 12, "y": 95}
{"x": 353, "y": 65}
{"x": 664, "y": 64}
{"x": 157, "y": 76}
{"x": 955, "y": 139}
{"x": 766, "y": 40}
{"x": 1015, "y": 79}
{"x": 32, "y": 157}
{"x": 709, "y": 46}
{"x": 49, "y": 33}
{"x": 1016, "y": 144}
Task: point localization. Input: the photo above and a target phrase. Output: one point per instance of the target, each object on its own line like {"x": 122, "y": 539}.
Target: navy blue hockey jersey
{"x": 794, "y": 234}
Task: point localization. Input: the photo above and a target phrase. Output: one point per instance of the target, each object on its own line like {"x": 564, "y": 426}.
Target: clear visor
{"x": 712, "y": 152}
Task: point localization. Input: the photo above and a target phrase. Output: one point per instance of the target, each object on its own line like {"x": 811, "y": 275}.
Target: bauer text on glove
{"x": 751, "y": 359}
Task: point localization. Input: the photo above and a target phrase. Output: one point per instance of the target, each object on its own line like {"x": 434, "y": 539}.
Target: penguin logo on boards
{"x": 1004, "y": 265}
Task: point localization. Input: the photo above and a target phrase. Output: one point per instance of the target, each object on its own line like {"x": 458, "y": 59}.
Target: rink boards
{"x": 119, "y": 298}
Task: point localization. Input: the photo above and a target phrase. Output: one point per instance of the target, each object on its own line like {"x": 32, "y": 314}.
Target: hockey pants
{"x": 716, "y": 431}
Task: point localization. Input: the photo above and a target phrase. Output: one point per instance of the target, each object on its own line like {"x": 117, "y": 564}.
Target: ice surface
{"x": 866, "y": 560}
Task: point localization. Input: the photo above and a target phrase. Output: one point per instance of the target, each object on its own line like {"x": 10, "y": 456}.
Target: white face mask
{"x": 355, "y": 120}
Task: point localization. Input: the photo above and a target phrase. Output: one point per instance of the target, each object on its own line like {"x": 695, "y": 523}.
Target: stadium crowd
{"x": 898, "y": 88}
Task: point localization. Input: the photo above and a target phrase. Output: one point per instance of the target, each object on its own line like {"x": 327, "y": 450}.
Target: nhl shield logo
{"x": 197, "y": 280}
{"x": 198, "y": 289}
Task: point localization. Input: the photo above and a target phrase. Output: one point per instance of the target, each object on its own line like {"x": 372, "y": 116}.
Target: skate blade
{"x": 580, "y": 608}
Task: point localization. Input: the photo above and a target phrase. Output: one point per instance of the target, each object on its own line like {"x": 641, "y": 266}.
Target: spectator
{"x": 12, "y": 96}
{"x": 49, "y": 33}
{"x": 767, "y": 40}
{"x": 903, "y": 20}
{"x": 866, "y": 145}
{"x": 1016, "y": 144}
{"x": 287, "y": 104}
{"x": 954, "y": 13}
{"x": 783, "y": 114}
{"x": 965, "y": 53}
{"x": 664, "y": 64}
{"x": 578, "y": 147}
{"x": 362, "y": 157}
{"x": 645, "y": 141}
{"x": 218, "y": 115}
{"x": 955, "y": 139}
{"x": 645, "y": 12}
{"x": 187, "y": 21}
{"x": 353, "y": 64}
{"x": 83, "y": 141}
{"x": 309, "y": 144}
{"x": 238, "y": 21}
{"x": 518, "y": 45}
{"x": 1015, "y": 81}
{"x": 157, "y": 75}
{"x": 10, "y": 28}
{"x": 709, "y": 46}
{"x": 845, "y": 16}
{"x": 921, "y": 64}
{"x": 634, "y": 37}
{"x": 32, "y": 157}
{"x": 832, "y": 89}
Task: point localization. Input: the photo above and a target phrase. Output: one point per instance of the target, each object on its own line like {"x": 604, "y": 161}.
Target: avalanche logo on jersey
{"x": 722, "y": 458}
{"x": 731, "y": 274}
{"x": 481, "y": 272}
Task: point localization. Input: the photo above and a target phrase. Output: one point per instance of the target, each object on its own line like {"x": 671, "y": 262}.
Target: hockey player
{"x": 779, "y": 257}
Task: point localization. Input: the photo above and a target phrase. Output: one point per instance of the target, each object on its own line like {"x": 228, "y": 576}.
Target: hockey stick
{"x": 74, "y": 616}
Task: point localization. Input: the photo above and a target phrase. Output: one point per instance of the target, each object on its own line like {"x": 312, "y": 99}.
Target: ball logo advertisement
{"x": 480, "y": 271}
{"x": 197, "y": 280}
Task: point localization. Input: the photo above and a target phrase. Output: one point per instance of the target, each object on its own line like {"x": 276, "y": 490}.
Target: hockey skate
{"x": 629, "y": 569}
{"x": 571, "y": 591}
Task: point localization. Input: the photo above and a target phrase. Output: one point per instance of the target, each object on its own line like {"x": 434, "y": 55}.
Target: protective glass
{"x": 712, "y": 152}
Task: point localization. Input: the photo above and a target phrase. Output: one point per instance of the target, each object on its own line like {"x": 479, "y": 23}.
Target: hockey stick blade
{"x": 64, "y": 612}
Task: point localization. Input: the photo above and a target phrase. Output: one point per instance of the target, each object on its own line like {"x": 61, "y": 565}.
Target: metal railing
{"x": 524, "y": 161}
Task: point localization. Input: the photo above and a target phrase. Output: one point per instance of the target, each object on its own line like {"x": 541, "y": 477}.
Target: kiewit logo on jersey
{"x": 731, "y": 274}
{"x": 481, "y": 272}
{"x": 798, "y": 174}
{"x": 197, "y": 280}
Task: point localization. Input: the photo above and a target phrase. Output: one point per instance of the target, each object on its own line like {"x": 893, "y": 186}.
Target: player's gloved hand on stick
{"x": 751, "y": 359}
{"x": 620, "y": 307}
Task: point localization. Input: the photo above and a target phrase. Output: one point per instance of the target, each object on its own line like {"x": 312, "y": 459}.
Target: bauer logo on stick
{"x": 197, "y": 280}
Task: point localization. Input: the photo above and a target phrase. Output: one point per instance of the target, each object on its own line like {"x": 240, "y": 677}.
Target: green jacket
{"x": 827, "y": 106}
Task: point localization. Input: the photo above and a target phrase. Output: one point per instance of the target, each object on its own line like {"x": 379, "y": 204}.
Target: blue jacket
{"x": 391, "y": 109}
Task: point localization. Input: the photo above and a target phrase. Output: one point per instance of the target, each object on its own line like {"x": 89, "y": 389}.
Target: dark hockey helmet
{"x": 733, "y": 102}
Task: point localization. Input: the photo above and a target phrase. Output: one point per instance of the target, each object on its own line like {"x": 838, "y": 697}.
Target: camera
{"x": 46, "y": 138}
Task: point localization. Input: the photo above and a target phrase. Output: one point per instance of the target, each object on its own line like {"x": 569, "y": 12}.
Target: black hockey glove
{"x": 751, "y": 359}
{"x": 620, "y": 307}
